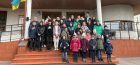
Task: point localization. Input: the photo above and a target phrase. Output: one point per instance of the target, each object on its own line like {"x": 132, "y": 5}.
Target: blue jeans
{"x": 65, "y": 55}
{"x": 75, "y": 56}
{"x": 99, "y": 54}
{"x": 84, "y": 54}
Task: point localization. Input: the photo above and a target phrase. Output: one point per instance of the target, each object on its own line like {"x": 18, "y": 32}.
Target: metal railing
{"x": 124, "y": 30}
{"x": 118, "y": 30}
{"x": 10, "y": 33}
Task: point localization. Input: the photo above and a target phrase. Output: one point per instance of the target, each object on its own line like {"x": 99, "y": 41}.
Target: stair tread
{"x": 52, "y": 57}
{"x": 60, "y": 61}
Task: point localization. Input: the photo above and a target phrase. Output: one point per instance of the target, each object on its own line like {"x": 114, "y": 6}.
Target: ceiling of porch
{"x": 73, "y": 4}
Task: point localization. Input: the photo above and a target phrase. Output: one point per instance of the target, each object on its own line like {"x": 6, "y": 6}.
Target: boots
{"x": 109, "y": 60}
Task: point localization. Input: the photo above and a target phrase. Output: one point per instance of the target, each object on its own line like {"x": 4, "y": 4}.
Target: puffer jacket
{"x": 75, "y": 45}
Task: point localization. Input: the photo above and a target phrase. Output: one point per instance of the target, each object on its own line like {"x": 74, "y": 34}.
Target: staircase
{"x": 25, "y": 57}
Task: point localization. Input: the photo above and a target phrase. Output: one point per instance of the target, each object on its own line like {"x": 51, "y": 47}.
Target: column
{"x": 99, "y": 11}
{"x": 64, "y": 13}
{"x": 28, "y": 14}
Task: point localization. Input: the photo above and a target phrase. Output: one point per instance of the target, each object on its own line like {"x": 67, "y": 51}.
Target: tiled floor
{"x": 129, "y": 61}
{"x": 122, "y": 61}
{"x": 5, "y": 62}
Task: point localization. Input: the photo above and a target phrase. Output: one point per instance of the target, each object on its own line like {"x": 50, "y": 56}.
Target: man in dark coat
{"x": 32, "y": 33}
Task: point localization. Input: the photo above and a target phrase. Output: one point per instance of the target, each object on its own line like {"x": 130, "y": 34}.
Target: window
{"x": 119, "y": 25}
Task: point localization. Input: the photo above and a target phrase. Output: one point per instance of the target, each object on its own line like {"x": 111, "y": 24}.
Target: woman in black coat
{"x": 49, "y": 36}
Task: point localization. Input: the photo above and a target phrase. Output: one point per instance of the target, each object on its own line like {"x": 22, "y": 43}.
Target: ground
{"x": 122, "y": 61}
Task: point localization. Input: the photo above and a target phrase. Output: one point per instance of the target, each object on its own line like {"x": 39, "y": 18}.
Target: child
{"x": 100, "y": 47}
{"x": 109, "y": 48}
{"x": 92, "y": 48}
{"x": 84, "y": 48}
{"x": 75, "y": 46}
{"x": 64, "y": 47}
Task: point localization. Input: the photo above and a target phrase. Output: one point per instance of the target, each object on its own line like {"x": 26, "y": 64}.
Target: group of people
{"x": 84, "y": 36}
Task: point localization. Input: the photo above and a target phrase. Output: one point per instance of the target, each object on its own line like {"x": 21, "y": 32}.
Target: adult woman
{"x": 56, "y": 34}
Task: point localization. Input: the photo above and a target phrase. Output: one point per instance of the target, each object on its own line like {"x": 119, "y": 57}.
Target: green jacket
{"x": 66, "y": 34}
{"x": 98, "y": 29}
{"x": 100, "y": 44}
{"x": 75, "y": 24}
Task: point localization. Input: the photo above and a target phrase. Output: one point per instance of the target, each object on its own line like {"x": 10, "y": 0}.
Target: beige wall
{"x": 111, "y": 12}
{"x": 117, "y": 12}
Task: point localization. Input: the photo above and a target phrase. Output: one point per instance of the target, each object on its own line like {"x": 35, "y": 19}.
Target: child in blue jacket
{"x": 109, "y": 49}
{"x": 64, "y": 45}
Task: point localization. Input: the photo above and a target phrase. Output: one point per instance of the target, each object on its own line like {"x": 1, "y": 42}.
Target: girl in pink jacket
{"x": 75, "y": 45}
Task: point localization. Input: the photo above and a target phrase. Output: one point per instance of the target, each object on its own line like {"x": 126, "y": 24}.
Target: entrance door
{"x": 3, "y": 17}
{"x": 51, "y": 14}
{"x": 75, "y": 14}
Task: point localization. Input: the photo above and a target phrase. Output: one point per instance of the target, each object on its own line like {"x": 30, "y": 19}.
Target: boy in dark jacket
{"x": 64, "y": 45}
{"x": 109, "y": 49}
{"x": 93, "y": 48}
{"x": 84, "y": 48}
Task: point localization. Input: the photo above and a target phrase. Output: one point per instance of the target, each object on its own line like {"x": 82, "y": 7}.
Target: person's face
{"x": 69, "y": 19}
{"x": 66, "y": 29}
{"x": 84, "y": 23}
{"x": 50, "y": 23}
{"x": 64, "y": 37}
{"x": 93, "y": 17}
{"x": 78, "y": 17}
{"x": 70, "y": 24}
{"x": 41, "y": 23}
{"x": 34, "y": 23}
{"x": 58, "y": 18}
{"x": 63, "y": 17}
{"x": 98, "y": 23}
{"x": 64, "y": 25}
{"x": 35, "y": 18}
{"x": 89, "y": 22}
{"x": 56, "y": 23}
{"x": 72, "y": 16}
{"x": 78, "y": 32}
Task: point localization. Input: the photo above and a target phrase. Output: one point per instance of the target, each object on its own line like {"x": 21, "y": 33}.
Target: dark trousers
{"x": 49, "y": 43}
{"x": 32, "y": 43}
{"x": 84, "y": 55}
{"x": 93, "y": 55}
{"x": 40, "y": 42}
{"x": 75, "y": 56}
{"x": 109, "y": 56}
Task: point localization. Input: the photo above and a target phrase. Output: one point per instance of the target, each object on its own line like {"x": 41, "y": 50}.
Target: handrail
{"x": 10, "y": 29}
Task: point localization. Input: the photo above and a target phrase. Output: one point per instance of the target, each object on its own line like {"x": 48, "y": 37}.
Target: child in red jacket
{"x": 75, "y": 45}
